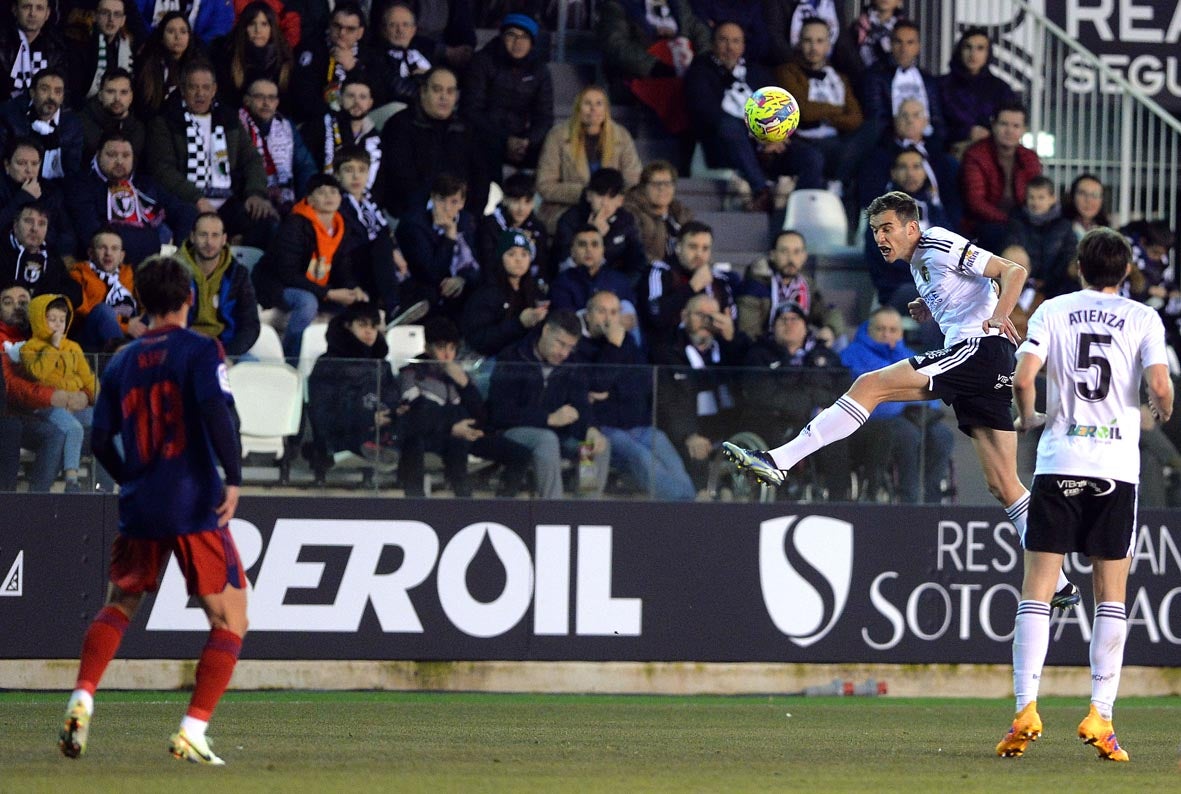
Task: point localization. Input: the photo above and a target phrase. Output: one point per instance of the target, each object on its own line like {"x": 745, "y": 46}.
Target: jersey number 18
{"x": 157, "y": 414}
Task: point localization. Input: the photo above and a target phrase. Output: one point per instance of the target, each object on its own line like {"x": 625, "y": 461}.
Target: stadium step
{"x": 738, "y": 231}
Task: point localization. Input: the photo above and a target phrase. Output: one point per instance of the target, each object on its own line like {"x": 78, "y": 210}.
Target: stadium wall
{"x": 581, "y": 596}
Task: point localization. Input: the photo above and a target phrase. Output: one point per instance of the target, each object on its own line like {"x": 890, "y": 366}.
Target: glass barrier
{"x": 488, "y": 429}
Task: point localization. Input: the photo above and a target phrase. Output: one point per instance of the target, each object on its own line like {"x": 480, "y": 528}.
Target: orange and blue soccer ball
{"x": 772, "y": 114}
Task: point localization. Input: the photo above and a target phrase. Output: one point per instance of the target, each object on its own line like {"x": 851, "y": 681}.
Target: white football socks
{"x": 83, "y": 697}
{"x": 194, "y": 727}
{"x": 1031, "y": 640}
{"x": 1107, "y": 654}
{"x": 839, "y": 420}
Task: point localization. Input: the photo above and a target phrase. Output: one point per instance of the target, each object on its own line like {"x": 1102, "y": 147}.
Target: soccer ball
{"x": 772, "y": 114}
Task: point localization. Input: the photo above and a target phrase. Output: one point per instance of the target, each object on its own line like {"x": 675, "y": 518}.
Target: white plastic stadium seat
{"x": 380, "y": 115}
{"x": 269, "y": 400}
{"x": 167, "y": 249}
{"x": 820, "y": 217}
{"x": 495, "y": 196}
{"x": 248, "y": 255}
{"x": 405, "y": 342}
{"x": 313, "y": 345}
{"x": 268, "y": 346}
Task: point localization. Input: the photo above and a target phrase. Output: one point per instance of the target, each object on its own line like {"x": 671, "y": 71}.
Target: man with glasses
{"x": 323, "y": 66}
{"x": 109, "y": 47}
{"x": 288, "y": 163}
{"x": 659, "y": 214}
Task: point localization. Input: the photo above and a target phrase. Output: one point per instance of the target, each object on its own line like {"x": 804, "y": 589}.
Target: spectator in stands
{"x": 601, "y": 206}
{"x": 994, "y": 175}
{"x": 671, "y": 283}
{"x": 941, "y": 168}
{"x": 970, "y": 93}
{"x": 52, "y": 359}
{"x": 888, "y": 84}
{"x": 543, "y": 405}
{"x": 574, "y": 286}
{"x": 113, "y": 193}
{"x": 647, "y": 47}
{"x": 779, "y": 279}
{"x": 254, "y": 48}
{"x": 26, "y": 259}
{"x": 865, "y": 43}
{"x": 109, "y": 312}
{"x": 306, "y": 270}
{"x": 717, "y": 85}
{"x": 445, "y": 414}
{"x": 405, "y": 55}
{"x": 109, "y": 111}
{"x": 508, "y": 96}
{"x": 790, "y": 374}
{"x": 1043, "y": 242}
{"x": 20, "y": 425}
{"x": 439, "y": 243}
{"x": 349, "y": 126}
{"x": 510, "y": 302}
{"x": 286, "y": 160}
{"x": 289, "y": 23}
{"x": 898, "y": 435}
{"x": 449, "y": 22}
{"x": 170, "y": 48}
{"x": 110, "y": 46}
{"x": 224, "y": 306}
{"x": 751, "y": 17}
{"x": 1153, "y": 280}
{"x": 22, "y": 184}
{"x": 576, "y": 149}
{"x": 353, "y": 395}
{"x": 697, "y": 385}
{"x": 379, "y": 266}
{"x": 783, "y": 21}
{"x": 829, "y": 111}
{"x": 621, "y": 403}
{"x": 28, "y": 47}
{"x": 325, "y": 63}
{"x": 515, "y": 211}
{"x": 199, "y": 152}
{"x": 45, "y": 118}
{"x": 659, "y": 214}
{"x": 210, "y": 20}
{"x": 427, "y": 140}
{"x": 1083, "y": 206}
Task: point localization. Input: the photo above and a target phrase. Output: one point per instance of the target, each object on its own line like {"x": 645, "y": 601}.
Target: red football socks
{"x": 99, "y": 646}
{"x": 213, "y": 672}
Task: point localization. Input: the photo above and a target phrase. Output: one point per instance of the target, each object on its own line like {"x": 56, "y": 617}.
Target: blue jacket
{"x": 214, "y": 17}
{"x": 865, "y": 355}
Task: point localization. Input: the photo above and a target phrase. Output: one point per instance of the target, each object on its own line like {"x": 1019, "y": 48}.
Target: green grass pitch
{"x": 407, "y": 742}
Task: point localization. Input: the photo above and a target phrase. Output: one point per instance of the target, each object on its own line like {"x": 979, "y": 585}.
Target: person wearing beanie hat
{"x": 508, "y": 95}
{"x": 515, "y": 210}
{"x": 514, "y": 238}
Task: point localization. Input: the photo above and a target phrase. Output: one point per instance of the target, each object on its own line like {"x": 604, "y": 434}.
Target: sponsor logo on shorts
{"x": 1072, "y": 487}
{"x": 932, "y": 355}
{"x": 1109, "y": 432}
{"x": 1004, "y": 382}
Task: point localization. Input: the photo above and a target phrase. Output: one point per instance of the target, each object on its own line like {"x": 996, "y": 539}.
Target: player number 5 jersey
{"x": 1096, "y": 348}
{"x": 949, "y": 273}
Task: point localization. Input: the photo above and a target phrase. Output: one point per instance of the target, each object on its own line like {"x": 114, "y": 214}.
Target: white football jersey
{"x": 1096, "y": 347}
{"x": 949, "y": 273}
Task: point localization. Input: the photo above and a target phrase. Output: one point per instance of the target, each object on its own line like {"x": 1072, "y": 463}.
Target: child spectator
{"x": 1046, "y": 239}
{"x": 515, "y": 211}
{"x": 352, "y": 394}
{"x": 379, "y": 266}
{"x": 53, "y": 360}
{"x": 444, "y": 413}
{"x": 510, "y": 302}
{"x": 601, "y": 206}
{"x": 109, "y": 310}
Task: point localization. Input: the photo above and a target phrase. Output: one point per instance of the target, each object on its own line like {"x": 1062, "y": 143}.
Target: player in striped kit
{"x": 957, "y": 284}
{"x": 1096, "y": 347}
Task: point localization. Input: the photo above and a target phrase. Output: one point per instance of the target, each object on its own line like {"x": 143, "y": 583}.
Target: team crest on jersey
{"x": 925, "y": 273}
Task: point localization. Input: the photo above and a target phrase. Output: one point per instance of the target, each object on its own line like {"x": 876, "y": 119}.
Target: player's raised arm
{"x": 1011, "y": 278}
{"x": 1160, "y": 391}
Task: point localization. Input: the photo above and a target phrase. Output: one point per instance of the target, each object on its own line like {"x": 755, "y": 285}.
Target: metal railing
{"x": 1084, "y": 115}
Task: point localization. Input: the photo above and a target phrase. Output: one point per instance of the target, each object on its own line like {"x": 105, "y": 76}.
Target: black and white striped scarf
{"x": 118, "y": 298}
{"x": 26, "y": 64}
{"x": 123, "y": 59}
{"x": 209, "y": 171}
{"x": 372, "y": 218}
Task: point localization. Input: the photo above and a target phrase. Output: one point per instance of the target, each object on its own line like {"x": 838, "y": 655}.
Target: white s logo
{"x": 805, "y": 571}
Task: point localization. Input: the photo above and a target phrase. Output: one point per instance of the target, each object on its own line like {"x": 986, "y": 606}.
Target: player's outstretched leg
{"x": 98, "y": 648}
{"x": 1067, "y": 594}
{"x": 756, "y": 463}
{"x": 1026, "y": 728}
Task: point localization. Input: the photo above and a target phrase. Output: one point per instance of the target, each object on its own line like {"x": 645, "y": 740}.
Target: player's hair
{"x": 694, "y": 227}
{"x": 446, "y": 184}
{"x": 1041, "y": 182}
{"x": 785, "y": 232}
{"x": 163, "y": 284}
{"x": 60, "y": 303}
{"x": 352, "y": 154}
{"x": 1103, "y": 257}
{"x": 1012, "y": 106}
{"x": 606, "y": 182}
{"x": 902, "y": 205}
{"x": 519, "y": 185}
{"x": 564, "y": 320}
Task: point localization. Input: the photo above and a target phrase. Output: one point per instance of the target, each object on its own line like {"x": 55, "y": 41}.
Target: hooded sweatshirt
{"x": 63, "y": 367}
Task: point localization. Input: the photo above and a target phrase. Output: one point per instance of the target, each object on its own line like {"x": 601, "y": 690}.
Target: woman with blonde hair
{"x": 575, "y": 149}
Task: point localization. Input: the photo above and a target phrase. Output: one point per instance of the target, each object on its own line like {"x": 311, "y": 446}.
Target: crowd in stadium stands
{"x": 356, "y": 145}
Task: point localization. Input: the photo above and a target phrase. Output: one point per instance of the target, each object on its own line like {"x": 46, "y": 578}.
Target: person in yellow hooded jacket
{"x": 54, "y": 360}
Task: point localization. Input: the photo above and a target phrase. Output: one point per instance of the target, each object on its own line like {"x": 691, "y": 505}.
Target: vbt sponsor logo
{"x": 540, "y": 579}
